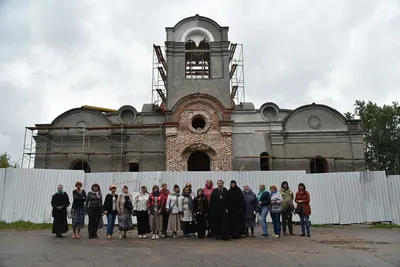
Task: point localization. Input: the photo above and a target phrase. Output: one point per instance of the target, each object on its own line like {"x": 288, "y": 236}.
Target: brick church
{"x": 198, "y": 121}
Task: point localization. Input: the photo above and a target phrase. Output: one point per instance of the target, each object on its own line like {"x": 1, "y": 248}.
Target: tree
{"x": 5, "y": 161}
{"x": 381, "y": 133}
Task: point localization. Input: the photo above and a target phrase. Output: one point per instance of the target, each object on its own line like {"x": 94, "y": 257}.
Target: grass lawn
{"x": 24, "y": 226}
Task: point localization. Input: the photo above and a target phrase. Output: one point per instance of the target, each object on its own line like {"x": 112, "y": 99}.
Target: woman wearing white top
{"x": 141, "y": 210}
{"x": 174, "y": 221}
{"x": 185, "y": 205}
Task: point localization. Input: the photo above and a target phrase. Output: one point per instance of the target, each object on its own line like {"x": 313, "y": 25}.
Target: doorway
{"x": 318, "y": 164}
{"x": 80, "y": 165}
{"x": 198, "y": 162}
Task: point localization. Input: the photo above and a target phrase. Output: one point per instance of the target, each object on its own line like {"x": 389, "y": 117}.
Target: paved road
{"x": 348, "y": 246}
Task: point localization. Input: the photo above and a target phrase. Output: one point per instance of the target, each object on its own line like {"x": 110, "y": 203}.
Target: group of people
{"x": 208, "y": 212}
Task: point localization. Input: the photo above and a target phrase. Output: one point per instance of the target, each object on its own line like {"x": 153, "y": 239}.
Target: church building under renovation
{"x": 198, "y": 120}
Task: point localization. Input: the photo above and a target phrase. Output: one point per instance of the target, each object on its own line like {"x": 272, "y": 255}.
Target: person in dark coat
{"x": 60, "y": 202}
{"x": 200, "y": 204}
{"x": 219, "y": 212}
{"x": 236, "y": 210}
{"x": 94, "y": 208}
{"x": 251, "y": 206}
{"x": 110, "y": 209}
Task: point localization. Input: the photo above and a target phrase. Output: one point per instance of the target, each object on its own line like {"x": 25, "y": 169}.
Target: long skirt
{"x": 125, "y": 221}
{"x": 174, "y": 222}
{"x": 78, "y": 218}
{"x": 201, "y": 225}
{"x": 60, "y": 224}
{"x": 156, "y": 222}
{"x": 143, "y": 222}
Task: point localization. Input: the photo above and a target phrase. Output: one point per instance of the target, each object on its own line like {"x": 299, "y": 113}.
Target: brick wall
{"x": 182, "y": 139}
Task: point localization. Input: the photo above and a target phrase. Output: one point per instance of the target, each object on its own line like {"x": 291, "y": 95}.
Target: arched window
{"x": 80, "y": 165}
{"x": 264, "y": 161}
{"x": 318, "y": 164}
{"x": 197, "y": 59}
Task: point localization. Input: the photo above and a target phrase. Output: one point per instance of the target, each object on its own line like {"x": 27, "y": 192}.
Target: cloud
{"x": 57, "y": 55}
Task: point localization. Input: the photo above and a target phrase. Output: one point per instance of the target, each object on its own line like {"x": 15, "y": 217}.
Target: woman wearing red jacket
{"x": 303, "y": 209}
{"x": 156, "y": 206}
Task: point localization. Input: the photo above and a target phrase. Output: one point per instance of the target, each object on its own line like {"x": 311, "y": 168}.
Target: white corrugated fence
{"x": 336, "y": 198}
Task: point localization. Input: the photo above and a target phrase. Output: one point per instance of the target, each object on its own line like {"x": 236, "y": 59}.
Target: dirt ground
{"x": 345, "y": 246}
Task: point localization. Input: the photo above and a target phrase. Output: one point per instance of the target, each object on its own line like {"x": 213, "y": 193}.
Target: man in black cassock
{"x": 236, "y": 211}
{"x": 60, "y": 202}
{"x": 219, "y": 203}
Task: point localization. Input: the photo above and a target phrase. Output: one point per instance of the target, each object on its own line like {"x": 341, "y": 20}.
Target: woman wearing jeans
{"x": 185, "y": 206}
{"x": 264, "y": 201}
{"x": 110, "y": 210}
{"x": 276, "y": 209}
{"x": 303, "y": 209}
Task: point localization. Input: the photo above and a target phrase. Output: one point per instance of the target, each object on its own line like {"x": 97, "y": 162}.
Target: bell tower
{"x": 197, "y": 61}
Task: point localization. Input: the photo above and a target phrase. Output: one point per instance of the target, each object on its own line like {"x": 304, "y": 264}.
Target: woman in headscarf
{"x": 276, "y": 209}
{"x": 207, "y": 190}
{"x": 236, "y": 210}
{"x": 156, "y": 206}
{"x": 185, "y": 206}
{"x": 192, "y": 225}
{"x": 174, "y": 221}
{"x": 200, "y": 210}
{"x": 251, "y": 204}
{"x": 288, "y": 208}
{"x": 78, "y": 210}
{"x": 94, "y": 208}
{"x": 60, "y": 202}
{"x": 141, "y": 208}
{"x": 111, "y": 210}
{"x": 125, "y": 208}
{"x": 264, "y": 202}
{"x": 164, "y": 193}
{"x": 303, "y": 209}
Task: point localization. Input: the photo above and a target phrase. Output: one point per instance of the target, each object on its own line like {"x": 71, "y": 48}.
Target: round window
{"x": 199, "y": 124}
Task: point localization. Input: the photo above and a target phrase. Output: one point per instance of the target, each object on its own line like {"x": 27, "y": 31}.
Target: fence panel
{"x": 394, "y": 197}
{"x": 375, "y": 196}
{"x": 29, "y": 191}
{"x": 324, "y": 208}
{"x": 2, "y": 197}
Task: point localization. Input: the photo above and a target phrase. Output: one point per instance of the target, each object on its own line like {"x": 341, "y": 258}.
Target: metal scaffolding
{"x": 236, "y": 73}
{"x": 59, "y": 142}
{"x": 338, "y": 164}
{"x": 159, "y": 76}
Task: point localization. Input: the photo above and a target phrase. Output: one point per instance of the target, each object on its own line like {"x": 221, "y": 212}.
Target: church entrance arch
{"x": 318, "y": 164}
{"x": 198, "y": 161}
{"x": 80, "y": 165}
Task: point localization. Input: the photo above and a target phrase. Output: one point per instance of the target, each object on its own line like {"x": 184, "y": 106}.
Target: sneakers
{"x": 308, "y": 235}
{"x": 185, "y": 238}
{"x": 163, "y": 236}
{"x": 157, "y": 236}
{"x": 153, "y": 237}
{"x": 109, "y": 237}
{"x": 144, "y": 236}
{"x": 303, "y": 234}
{"x": 276, "y": 236}
{"x": 265, "y": 236}
{"x": 140, "y": 236}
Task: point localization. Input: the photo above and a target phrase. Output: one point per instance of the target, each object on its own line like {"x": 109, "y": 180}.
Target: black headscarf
{"x": 284, "y": 182}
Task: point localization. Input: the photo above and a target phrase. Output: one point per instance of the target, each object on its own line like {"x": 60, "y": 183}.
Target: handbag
{"x": 299, "y": 209}
{"x": 69, "y": 213}
{"x": 134, "y": 211}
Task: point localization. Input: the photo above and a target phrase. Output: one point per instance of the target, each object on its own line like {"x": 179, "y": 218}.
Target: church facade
{"x": 198, "y": 126}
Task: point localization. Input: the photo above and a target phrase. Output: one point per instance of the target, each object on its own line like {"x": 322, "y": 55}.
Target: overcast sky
{"x": 58, "y": 55}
